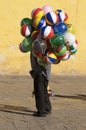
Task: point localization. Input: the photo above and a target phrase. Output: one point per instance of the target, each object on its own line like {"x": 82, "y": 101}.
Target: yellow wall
{"x": 12, "y": 61}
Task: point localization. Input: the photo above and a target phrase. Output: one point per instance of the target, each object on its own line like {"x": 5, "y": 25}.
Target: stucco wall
{"x": 12, "y": 61}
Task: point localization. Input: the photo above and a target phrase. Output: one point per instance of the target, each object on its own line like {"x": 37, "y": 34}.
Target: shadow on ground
{"x": 25, "y": 111}
{"x": 16, "y": 109}
{"x": 77, "y": 96}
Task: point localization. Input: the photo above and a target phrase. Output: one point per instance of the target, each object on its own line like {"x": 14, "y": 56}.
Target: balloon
{"x": 69, "y": 38}
{"x": 73, "y": 48}
{"x": 71, "y": 28}
{"x": 47, "y": 9}
{"x": 63, "y": 17}
{"x": 21, "y": 48}
{"x": 38, "y": 12}
{"x": 39, "y": 47}
{"x": 57, "y": 61}
{"x": 49, "y": 47}
{"x": 72, "y": 52}
{"x": 62, "y": 51}
{"x": 50, "y": 57}
{"x": 35, "y": 34}
{"x": 60, "y": 28}
{"x": 39, "y": 22}
{"x": 26, "y": 30}
{"x": 51, "y": 18}
{"x": 66, "y": 56}
{"x": 26, "y": 21}
{"x": 47, "y": 32}
{"x": 57, "y": 40}
{"x": 26, "y": 45}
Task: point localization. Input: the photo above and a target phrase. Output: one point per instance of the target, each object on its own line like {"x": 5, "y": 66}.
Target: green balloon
{"x": 72, "y": 50}
{"x": 26, "y": 21}
{"x": 71, "y": 47}
{"x": 57, "y": 40}
{"x": 27, "y": 44}
{"x": 62, "y": 51}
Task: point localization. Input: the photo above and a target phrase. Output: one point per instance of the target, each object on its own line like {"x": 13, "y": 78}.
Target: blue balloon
{"x": 60, "y": 28}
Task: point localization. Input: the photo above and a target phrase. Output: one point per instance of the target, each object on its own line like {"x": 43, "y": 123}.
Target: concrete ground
{"x": 68, "y": 104}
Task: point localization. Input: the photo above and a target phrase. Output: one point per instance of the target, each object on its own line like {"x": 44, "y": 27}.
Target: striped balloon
{"x": 63, "y": 17}
{"x": 47, "y": 32}
{"x": 38, "y": 12}
{"x": 51, "y": 18}
{"x": 26, "y": 30}
{"x": 50, "y": 58}
{"x": 39, "y": 22}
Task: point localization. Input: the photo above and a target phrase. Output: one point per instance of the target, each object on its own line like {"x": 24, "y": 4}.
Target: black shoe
{"x": 38, "y": 114}
{"x": 47, "y": 112}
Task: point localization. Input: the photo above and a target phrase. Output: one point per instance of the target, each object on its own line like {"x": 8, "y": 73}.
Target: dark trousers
{"x": 41, "y": 95}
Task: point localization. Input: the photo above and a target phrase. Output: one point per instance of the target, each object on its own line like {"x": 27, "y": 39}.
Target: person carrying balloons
{"x": 50, "y": 40}
{"x": 40, "y": 76}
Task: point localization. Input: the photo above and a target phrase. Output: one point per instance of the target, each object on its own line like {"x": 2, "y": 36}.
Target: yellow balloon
{"x": 71, "y": 28}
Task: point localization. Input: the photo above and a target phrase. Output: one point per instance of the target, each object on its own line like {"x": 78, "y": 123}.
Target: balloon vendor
{"x": 50, "y": 39}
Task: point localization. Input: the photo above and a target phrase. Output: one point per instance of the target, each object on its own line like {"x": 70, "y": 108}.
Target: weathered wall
{"x": 12, "y": 61}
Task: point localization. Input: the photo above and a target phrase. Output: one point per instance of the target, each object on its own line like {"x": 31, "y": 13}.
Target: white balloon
{"x": 69, "y": 38}
{"x": 47, "y": 8}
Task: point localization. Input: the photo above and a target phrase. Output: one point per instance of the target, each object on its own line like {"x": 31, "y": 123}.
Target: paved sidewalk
{"x": 68, "y": 104}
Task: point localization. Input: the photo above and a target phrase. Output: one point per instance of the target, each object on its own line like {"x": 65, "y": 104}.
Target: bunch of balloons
{"x": 48, "y": 35}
